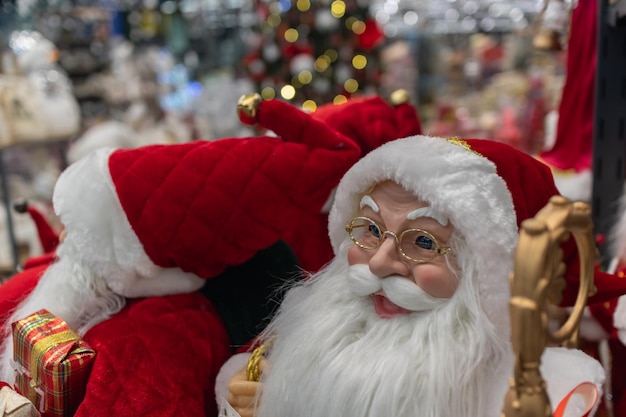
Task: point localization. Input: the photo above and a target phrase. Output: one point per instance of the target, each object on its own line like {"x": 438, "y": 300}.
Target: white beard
{"x": 69, "y": 290}
{"x": 333, "y": 356}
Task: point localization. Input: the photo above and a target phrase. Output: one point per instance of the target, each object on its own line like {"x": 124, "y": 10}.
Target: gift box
{"x": 52, "y": 362}
{"x": 13, "y": 404}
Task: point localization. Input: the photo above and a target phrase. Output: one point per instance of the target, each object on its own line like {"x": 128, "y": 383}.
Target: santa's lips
{"x": 387, "y": 309}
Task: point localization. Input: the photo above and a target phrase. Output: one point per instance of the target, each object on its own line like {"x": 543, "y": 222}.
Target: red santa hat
{"x": 484, "y": 187}
{"x": 372, "y": 121}
{"x": 160, "y": 219}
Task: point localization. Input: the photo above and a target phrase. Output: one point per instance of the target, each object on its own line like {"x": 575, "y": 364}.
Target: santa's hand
{"x": 242, "y": 393}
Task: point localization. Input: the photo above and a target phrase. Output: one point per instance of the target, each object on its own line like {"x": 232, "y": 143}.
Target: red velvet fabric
{"x": 159, "y": 356}
{"x": 609, "y": 286}
{"x": 203, "y": 206}
{"x": 528, "y": 196}
{"x": 574, "y": 137}
{"x": 370, "y": 121}
{"x": 15, "y": 289}
{"x": 603, "y": 313}
{"x": 242, "y": 194}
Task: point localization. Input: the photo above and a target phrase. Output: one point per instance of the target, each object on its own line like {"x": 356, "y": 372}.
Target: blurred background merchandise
{"x": 165, "y": 71}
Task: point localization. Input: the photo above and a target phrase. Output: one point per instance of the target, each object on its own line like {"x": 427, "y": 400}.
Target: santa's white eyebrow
{"x": 366, "y": 200}
{"x": 428, "y": 212}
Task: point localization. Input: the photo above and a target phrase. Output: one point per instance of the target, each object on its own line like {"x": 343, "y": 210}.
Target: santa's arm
{"x": 158, "y": 356}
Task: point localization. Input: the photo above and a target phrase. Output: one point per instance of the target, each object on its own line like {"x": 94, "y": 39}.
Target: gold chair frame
{"x": 536, "y": 281}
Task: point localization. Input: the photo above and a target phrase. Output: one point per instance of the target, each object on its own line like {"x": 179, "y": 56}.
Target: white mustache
{"x": 399, "y": 290}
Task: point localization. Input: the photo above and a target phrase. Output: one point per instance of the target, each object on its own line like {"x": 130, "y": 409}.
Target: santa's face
{"x": 391, "y": 208}
{"x": 332, "y": 354}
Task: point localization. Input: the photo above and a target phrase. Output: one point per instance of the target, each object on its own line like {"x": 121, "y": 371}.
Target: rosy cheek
{"x": 357, "y": 255}
{"x": 436, "y": 280}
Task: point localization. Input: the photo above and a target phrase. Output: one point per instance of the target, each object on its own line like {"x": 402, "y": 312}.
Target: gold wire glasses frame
{"x": 415, "y": 245}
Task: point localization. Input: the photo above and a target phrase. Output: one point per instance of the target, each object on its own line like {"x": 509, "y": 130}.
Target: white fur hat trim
{"x": 99, "y": 233}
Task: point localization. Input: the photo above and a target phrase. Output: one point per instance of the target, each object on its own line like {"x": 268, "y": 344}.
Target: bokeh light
{"x": 340, "y": 99}
{"x": 338, "y": 8}
{"x": 359, "y": 61}
{"x": 288, "y": 92}
{"x": 305, "y": 77}
{"x": 309, "y": 105}
{"x": 291, "y": 35}
{"x": 351, "y": 85}
{"x": 268, "y": 93}
{"x": 303, "y": 5}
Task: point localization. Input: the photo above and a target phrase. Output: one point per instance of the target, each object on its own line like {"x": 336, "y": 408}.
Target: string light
{"x": 358, "y": 27}
{"x": 305, "y": 77}
{"x": 291, "y": 35}
{"x": 268, "y": 93}
{"x": 359, "y": 61}
{"x": 340, "y": 99}
{"x": 351, "y": 85}
{"x": 288, "y": 92}
{"x": 303, "y": 5}
{"x": 273, "y": 20}
{"x": 338, "y": 8}
{"x": 309, "y": 105}
{"x": 321, "y": 64}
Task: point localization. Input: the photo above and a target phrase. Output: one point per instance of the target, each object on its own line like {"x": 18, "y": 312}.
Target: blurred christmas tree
{"x": 314, "y": 52}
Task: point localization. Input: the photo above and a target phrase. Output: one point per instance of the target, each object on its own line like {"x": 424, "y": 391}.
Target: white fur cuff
{"x": 233, "y": 365}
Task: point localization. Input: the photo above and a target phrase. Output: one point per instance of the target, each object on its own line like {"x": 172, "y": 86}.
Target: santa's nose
{"x": 387, "y": 261}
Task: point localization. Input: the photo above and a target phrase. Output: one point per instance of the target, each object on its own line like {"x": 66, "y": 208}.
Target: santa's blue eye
{"x": 425, "y": 242}
{"x": 374, "y": 230}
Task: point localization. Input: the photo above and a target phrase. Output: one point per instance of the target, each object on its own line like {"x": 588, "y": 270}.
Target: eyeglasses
{"x": 415, "y": 245}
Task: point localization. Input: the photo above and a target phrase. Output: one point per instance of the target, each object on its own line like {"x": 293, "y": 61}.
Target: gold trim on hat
{"x": 460, "y": 142}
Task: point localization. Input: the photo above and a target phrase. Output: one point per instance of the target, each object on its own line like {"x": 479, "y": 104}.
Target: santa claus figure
{"x": 145, "y": 229}
{"x": 157, "y": 238}
{"x": 412, "y": 315}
